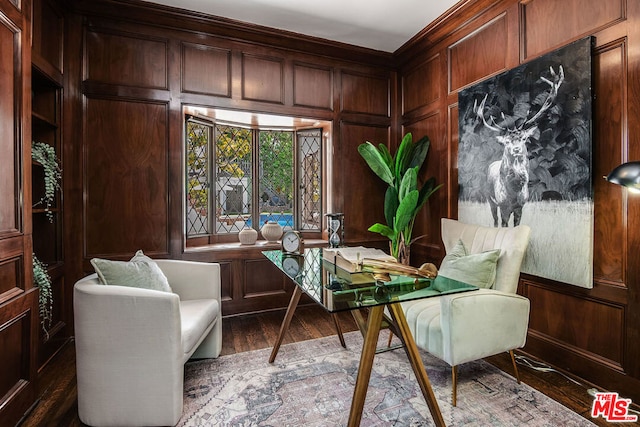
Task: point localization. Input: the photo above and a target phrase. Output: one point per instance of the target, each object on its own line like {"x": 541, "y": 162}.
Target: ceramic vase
{"x": 247, "y": 236}
{"x": 271, "y": 231}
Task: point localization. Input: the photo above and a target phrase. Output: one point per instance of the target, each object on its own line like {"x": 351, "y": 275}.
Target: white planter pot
{"x": 271, "y": 231}
{"x": 247, "y": 236}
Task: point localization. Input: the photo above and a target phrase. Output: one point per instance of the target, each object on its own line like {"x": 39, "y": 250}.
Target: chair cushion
{"x": 475, "y": 269}
{"x": 140, "y": 272}
{"x": 196, "y": 316}
{"x": 423, "y": 319}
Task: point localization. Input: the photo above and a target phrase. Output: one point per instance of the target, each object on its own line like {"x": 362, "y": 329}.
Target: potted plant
{"x": 403, "y": 199}
{"x": 42, "y": 280}
{"x": 45, "y": 154}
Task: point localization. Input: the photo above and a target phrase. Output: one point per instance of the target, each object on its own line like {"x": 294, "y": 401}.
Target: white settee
{"x": 132, "y": 343}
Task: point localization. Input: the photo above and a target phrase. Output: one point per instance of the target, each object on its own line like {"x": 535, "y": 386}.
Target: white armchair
{"x": 463, "y": 327}
{"x": 132, "y": 343}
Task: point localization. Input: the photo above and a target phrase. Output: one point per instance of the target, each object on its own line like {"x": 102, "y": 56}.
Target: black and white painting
{"x": 524, "y": 157}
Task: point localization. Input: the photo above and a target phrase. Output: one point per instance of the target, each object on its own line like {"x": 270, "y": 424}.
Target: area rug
{"x": 311, "y": 384}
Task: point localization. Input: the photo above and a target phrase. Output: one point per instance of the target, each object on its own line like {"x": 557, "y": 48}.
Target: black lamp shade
{"x": 627, "y": 175}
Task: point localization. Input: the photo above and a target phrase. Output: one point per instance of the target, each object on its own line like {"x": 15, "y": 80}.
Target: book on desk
{"x": 350, "y": 258}
{"x": 355, "y": 277}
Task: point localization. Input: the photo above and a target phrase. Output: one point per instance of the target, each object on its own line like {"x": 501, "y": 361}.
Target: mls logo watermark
{"x": 612, "y": 408}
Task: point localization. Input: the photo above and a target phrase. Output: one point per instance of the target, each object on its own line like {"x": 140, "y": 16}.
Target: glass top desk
{"x": 335, "y": 292}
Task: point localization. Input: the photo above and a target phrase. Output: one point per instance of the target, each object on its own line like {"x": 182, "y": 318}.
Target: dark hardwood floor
{"x": 58, "y": 406}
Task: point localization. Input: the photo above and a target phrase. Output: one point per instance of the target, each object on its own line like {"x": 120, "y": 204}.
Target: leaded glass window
{"x": 242, "y": 177}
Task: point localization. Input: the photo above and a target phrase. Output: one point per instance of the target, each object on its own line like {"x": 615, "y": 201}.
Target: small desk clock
{"x": 292, "y": 243}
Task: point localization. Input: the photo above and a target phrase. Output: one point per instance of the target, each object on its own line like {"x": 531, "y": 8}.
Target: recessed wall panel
{"x": 263, "y": 78}
{"x": 478, "y": 55}
{"x": 126, "y": 178}
{"x": 312, "y": 86}
{"x": 363, "y": 190}
{"x": 10, "y": 275}
{"x": 206, "y": 70}
{"x": 271, "y": 280}
{"x": 365, "y": 94}
{"x": 420, "y": 85}
{"x": 14, "y": 357}
{"x": 9, "y": 54}
{"x": 609, "y": 100}
{"x": 593, "y": 326}
{"x": 549, "y": 23}
{"x": 121, "y": 59}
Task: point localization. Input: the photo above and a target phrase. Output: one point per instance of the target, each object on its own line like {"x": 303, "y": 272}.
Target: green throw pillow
{"x": 475, "y": 269}
{"x": 140, "y": 272}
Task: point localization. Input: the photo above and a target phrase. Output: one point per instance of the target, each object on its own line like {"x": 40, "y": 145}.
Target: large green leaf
{"x": 426, "y": 191}
{"x": 376, "y": 161}
{"x": 391, "y": 203}
{"x": 406, "y": 211}
{"x": 382, "y": 229}
{"x": 402, "y": 156}
{"x": 386, "y": 155}
{"x": 420, "y": 150}
{"x": 409, "y": 183}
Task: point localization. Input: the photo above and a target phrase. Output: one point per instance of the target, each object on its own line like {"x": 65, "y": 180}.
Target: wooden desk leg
{"x": 293, "y": 303}
{"x": 366, "y": 363}
{"x": 416, "y": 363}
{"x": 336, "y": 322}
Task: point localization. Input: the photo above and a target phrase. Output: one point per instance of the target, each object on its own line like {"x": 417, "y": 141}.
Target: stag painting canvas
{"x": 524, "y": 157}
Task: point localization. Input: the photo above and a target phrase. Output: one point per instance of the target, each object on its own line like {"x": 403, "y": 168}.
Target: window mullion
{"x": 255, "y": 182}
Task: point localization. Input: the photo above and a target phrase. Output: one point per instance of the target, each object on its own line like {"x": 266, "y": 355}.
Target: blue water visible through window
{"x": 285, "y": 220}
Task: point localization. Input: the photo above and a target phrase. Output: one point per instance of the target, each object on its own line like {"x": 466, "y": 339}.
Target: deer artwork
{"x": 508, "y": 178}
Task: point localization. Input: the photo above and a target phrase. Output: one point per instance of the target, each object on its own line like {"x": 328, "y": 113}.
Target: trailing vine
{"x": 45, "y": 154}
{"x": 42, "y": 280}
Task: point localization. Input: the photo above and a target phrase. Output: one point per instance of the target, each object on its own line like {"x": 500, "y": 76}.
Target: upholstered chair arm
{"x": 192, "y": 280}
{"x": 124, "y": 333}
{"x": 482, "y": 323}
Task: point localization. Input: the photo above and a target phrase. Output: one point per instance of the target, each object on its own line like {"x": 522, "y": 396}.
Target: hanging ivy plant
{"x": 42, "y": 280}
{"x": 45, "y": 154}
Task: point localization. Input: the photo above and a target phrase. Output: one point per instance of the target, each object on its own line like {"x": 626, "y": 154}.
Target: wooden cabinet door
{"x": 18, "y": 298}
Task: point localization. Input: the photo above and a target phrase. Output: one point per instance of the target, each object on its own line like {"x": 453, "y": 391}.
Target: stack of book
{"x": 346, "y": 262}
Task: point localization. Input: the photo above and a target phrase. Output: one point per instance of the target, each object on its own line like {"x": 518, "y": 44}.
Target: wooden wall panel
{"x": 12, "y": 344}
{"x": 18, "y": 323}
{"x": 48, "y": 41}
{"x": 428, "y": 220}
{"x": 365, "y": 94}
{"x": 123, "y": 59}
{"x": 312, "y": 86}
{"x": 363, "y": 190}
{"x": 210, "y": 70}
{"x": 18, "y": 297}
{"x": 590, "y": 332}
{"x": 206, "y": 70}
{"x": 126, "y": 178}
{"x": 610, "y": 101}
{"x": 226, "y": 282}
{"x": 603, "y": 337}
{"x": 420, "y": 85}
{"x": 271, "y": 280}
{"x": 480, "y": 54}
{"x": 9, "y": 144}
{"x": 262, "y": 78}
{"x": 549, "y": 23}
{"x": 10, "y": 276}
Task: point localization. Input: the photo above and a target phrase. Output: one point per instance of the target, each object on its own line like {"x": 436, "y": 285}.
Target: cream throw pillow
{"x": 140, "y": 272}
{"x": 475, "y": 269}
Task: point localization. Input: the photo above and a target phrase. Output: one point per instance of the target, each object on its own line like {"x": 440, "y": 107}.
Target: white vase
{"x": 271, "y": 231}
{"x": 247, "y": 236}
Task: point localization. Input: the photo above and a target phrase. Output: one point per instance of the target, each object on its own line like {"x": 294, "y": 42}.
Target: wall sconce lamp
{"x": 627, "y": 175}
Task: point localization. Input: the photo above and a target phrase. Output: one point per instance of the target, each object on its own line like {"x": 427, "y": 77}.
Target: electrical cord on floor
{"x": 542, "y": 367}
